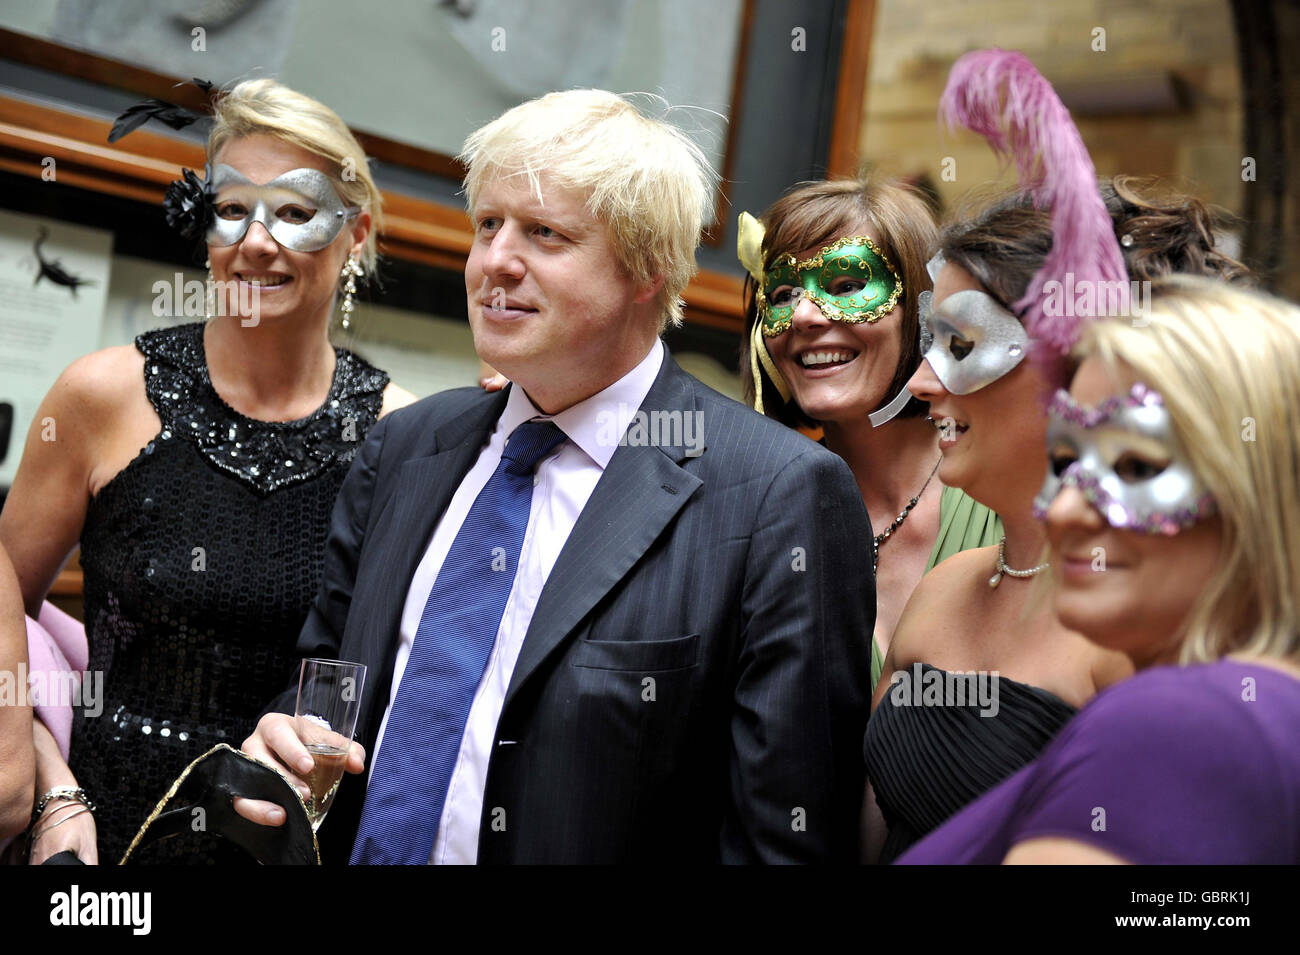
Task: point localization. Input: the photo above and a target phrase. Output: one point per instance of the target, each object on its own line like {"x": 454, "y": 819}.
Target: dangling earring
{"x": 351, "y": 272}
{"x": 209, "y": 302}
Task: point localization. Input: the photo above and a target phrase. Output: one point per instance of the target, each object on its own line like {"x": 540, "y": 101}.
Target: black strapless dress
{"x": 201, "y": 560}
{"x": 925, "y": 762}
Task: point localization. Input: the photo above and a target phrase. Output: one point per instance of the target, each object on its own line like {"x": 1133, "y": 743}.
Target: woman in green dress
{"x": 836, "y": 272}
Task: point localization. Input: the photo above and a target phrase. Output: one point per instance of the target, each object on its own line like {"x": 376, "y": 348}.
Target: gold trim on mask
{"x": 749, "y": 249}
{"x": 759, "y": 356}
{"x": 828, "y": 306}
{"x": 175, "y": 787}
{"x": 749, "y": 246}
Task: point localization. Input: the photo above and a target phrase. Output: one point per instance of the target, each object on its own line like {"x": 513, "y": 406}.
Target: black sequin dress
{"x": 201, "y": 559}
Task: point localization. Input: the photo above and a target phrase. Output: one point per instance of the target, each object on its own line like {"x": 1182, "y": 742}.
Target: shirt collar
{"x": 595, "y": 424}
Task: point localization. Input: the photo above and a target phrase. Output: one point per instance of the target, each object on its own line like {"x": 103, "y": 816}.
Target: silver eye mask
{"x": 1099, "y": 439}
{"x": 975, "y": 340}
{"x": 300, "y": 208}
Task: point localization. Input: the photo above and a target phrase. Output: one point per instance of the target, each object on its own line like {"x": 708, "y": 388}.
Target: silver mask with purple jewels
{"x": 975, "y": 341}
{"x": 301, "y": 208}
{"x": 1125, "y": 459}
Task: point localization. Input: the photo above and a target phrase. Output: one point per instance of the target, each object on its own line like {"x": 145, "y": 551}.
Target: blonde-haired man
{"x": 609, "y": 615}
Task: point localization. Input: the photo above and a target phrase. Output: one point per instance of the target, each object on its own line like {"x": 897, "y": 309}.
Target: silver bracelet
{"x": 52, "y": 811}
{"x": 54, "y": 825}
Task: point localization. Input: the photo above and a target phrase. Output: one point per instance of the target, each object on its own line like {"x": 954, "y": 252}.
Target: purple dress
{"x": 1184, "y": 765}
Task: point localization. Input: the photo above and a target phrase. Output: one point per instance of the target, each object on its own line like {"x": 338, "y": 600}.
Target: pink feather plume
{"x": 1000, "y": 95}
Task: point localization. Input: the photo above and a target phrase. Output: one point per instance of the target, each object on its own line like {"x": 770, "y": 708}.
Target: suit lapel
{"x": 639, "y": 494}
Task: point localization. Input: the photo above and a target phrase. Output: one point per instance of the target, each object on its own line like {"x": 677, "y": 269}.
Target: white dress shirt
{"x": 563, "y": 483}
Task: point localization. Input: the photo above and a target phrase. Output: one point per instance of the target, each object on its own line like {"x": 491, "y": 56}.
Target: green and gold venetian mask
{"x": 850, "y": 280}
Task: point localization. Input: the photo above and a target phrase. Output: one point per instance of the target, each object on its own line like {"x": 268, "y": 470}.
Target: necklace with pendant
{"x": 878, "y": 541}
{"x": 1002, "y": 567}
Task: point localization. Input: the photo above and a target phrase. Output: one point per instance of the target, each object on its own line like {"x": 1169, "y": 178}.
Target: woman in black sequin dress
{"x": 199, "y": 468}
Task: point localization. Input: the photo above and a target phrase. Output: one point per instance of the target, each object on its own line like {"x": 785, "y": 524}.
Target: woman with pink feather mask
{"x": 1195, "y": 760}
{"x": 981, "y": 675}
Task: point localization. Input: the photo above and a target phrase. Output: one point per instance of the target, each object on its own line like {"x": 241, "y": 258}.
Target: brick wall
{"x": 916, "y": 41}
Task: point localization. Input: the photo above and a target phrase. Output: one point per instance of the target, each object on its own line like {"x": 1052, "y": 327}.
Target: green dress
{"x": 964, "y": 523}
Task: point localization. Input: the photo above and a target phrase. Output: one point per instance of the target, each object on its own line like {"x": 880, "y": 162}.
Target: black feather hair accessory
{"x": 177, "y": 117}
{"x": 188, "y": 201}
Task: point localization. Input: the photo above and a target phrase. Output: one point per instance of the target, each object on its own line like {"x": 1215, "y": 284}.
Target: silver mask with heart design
{"x": 1124, "y": 457}
{"x": 975, "y": 340}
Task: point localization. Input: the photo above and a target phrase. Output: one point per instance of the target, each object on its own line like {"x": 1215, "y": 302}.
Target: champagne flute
{"x": 329, "y": 700}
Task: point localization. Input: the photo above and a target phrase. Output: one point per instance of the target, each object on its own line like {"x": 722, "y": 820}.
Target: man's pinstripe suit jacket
{"x": 694, "y": 683}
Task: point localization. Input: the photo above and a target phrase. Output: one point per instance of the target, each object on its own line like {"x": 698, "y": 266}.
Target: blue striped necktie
{"x": 408, "y": 785}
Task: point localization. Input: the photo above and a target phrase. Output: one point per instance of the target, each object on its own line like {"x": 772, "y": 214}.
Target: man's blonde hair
{"x": 267, "y": 107}
{"x": 644, "y": 179}
{"x": 1227, "y": 363}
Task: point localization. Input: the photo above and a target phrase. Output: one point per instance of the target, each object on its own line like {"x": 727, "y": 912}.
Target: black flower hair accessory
{"x": 188, "y": 203}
